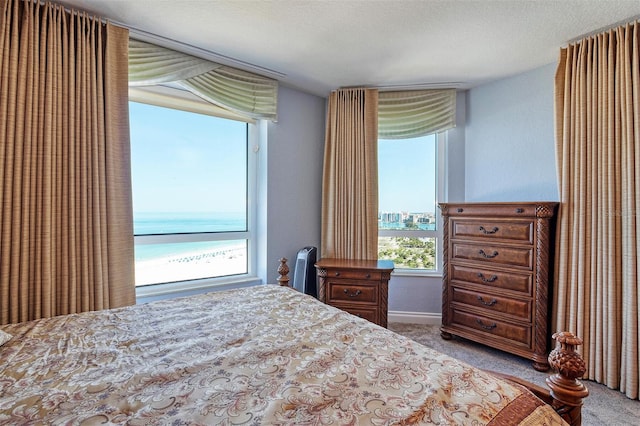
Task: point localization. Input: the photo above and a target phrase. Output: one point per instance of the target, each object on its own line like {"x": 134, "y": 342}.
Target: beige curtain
{"x": 350, "y": 176}
{"x": 598, "y": 153}
{"x": 66, "y": 233}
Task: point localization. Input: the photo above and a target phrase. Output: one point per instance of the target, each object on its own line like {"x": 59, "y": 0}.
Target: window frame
{"x": 178, "y": 99}
{"x": 441, "y": 187}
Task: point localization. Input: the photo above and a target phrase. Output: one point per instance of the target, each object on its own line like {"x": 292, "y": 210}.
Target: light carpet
{"x": 603, "y": 406}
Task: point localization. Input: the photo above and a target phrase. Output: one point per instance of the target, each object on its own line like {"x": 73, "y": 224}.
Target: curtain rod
{"x": 416, "y": 86}
{"x": 604, "y": 29}
{"x": 180, "y": 46}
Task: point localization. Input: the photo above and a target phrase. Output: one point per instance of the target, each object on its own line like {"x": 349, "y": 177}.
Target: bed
{"x": 261, "y": 355}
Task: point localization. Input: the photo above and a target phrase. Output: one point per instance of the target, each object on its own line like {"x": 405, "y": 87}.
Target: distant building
{"x": 406, "y": 217}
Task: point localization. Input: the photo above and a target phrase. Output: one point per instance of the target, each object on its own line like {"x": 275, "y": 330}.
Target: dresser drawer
{"x": 493, "y": 327}
{"x": 520, "y": 309}
{"x": 350, "y": 274}
{"x": 504, "y": 255}
{"x": 516, "y": 281}
{"x": 521, "y": 232}
{"x": 354, "y": 293}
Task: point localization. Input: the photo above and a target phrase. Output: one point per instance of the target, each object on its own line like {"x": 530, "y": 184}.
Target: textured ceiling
{"x": 320, "y": 45}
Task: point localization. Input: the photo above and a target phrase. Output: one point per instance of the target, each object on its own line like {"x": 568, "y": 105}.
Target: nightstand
{"x": 359, "y": 287}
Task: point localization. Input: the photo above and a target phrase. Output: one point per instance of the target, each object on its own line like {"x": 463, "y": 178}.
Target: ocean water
{"x": 150, "y": 223}
{"x": 168, "y": 262}
{"x": 401, "y": 225}
{"x": 179, "y": 223}
{"x": 183, "y": 223}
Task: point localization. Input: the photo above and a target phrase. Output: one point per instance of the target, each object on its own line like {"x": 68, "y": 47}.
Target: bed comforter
{"x": 260, "y": 355}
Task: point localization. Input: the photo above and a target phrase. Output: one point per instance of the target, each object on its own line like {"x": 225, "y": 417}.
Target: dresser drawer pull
{"x": 486, "y": 327}
{"x": 519, "y": 210}
{"x": 337, "y": 274}
{"x": 354, "y": 294}
{"x": 367, "y": 276}
{"x": 486, "y": 231}
{"x": 489, "y": 303}
{"x": 491, "y": 279}
{"x": 487, "y": 256}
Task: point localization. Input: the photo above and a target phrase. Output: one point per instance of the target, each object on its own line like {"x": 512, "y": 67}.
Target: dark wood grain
{"x": 497, "y": 261}
{"x": 359, "y": 287}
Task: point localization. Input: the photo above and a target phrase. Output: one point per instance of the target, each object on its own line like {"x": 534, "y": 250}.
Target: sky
{"x": 407, "y": 174}
{"x": 187, "y": 162}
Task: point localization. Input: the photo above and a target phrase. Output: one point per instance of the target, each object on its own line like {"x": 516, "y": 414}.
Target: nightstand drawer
{"x": 498, "y": 280}
{"x": 348, "y": 274}
{"x": 368, "y": 314}
{"x": 521, "y": 232}
{"x": 505, "y": 255}
{"x": 519, "y": 309}
{"x": 490, "y": 326}
{"x": 355, "y": 293}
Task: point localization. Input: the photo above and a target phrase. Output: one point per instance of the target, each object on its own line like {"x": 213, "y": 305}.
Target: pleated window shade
{"x": 242, "y": 92}
{"x": 414, "y": 113}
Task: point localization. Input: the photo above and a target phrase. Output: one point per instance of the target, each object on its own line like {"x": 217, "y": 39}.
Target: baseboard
{"x": 415, "y": 317}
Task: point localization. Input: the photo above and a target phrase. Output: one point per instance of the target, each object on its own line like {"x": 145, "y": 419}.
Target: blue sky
{"x": 186, "y": 162}
{"x": 405, "y": 178}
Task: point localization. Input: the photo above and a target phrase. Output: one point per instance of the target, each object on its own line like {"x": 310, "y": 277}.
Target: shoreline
{"x": 217, "y": 262}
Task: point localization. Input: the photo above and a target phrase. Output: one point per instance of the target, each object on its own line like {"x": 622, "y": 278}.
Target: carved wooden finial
{"x": 567, "y": 391}
{"x": 283, "y": 270}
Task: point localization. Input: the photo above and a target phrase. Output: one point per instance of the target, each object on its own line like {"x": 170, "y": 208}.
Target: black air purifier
{"x": 304, "y": 275}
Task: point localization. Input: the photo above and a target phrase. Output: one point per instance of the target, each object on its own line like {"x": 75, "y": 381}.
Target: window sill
{"x": 149, "y": 293}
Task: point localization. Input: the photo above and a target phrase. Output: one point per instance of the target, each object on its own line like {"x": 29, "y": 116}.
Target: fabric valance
{"x": 239, "y": 91}
{"x": 414, "y": 113}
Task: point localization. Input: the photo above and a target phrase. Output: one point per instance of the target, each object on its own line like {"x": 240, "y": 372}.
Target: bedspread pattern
{"x": 262, "y": 355}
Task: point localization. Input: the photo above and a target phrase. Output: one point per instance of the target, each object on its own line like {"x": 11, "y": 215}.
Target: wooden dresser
{"x": 359, "y": 287}
{"x": 497, "y": 275}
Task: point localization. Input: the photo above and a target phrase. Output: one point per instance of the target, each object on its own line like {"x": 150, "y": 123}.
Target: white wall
{"x": 506, "y": 153}
{"x": 502, "y": 149}
{"x": 418, "y": 299}
{"x": 290, "y": 174}
{"x": 510, "y": 148}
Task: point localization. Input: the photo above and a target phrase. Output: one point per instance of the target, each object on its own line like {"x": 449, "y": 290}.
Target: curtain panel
{"x": 415, "y": 113}
{"x": 239, "y": 91}
{"x": 350, "y": 176}
{"x": 66, "y": 226}
{"x": 598, "y": 154}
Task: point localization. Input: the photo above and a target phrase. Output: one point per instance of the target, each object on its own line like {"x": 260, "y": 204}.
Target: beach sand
{"x": 204, "y": 264}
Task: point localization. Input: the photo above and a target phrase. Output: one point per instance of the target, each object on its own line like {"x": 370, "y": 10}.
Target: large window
{"x": 408, "y": 191}
{"x": 190, "y": 192}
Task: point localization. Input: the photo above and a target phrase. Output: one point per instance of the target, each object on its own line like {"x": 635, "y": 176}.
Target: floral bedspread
{"x": 261, "y": 355}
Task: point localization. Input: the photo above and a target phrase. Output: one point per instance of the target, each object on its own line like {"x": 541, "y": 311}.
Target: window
{"x": 190, "y": 194}
{"x": 408, "y": 179}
